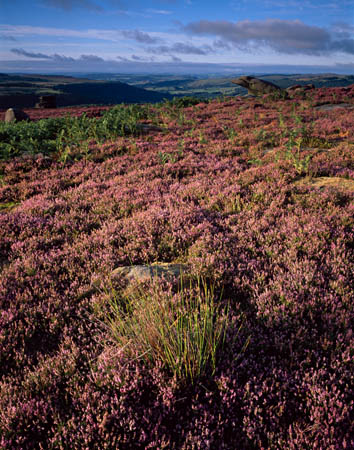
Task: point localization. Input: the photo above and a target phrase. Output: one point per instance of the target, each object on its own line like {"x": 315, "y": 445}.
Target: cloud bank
{"x": 181, "y": 48}
{"x": 283, "y": 36}
{"x": 56, "y": 57}
{"x": 140, "y": 36}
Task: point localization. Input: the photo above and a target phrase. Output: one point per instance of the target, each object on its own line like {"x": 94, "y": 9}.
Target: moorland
{"x": 254, "y": 350}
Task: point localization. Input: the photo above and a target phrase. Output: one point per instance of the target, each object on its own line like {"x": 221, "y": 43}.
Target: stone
{"x": 295, "y": 87}
{"x": 143, "y": 128}
{"x": 135, "y": 275}
{"x": 256, "y": 86}
{"x": 344, "y": 184}
{"x": 330, "y": 106}
{"x": 47, "y": 102}
{"x": 142, "y": 273}
{"x": 300, "y": 88}
{"x": 15, "y": 115}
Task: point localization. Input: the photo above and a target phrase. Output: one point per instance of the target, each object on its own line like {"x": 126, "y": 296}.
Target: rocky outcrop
{"x": 257, "y": 87}
{"x": 15, "y": 115}
{"x": 300, "y": 88}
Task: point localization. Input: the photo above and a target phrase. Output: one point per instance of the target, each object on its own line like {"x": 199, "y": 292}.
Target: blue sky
{"x": 183, "y": 36}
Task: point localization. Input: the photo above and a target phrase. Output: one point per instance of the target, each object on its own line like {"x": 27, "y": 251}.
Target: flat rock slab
{"x": 144, "y": 128}
{"x": 330, "y": 107}
{"x": 134, "y": 275}
{"x": 331, "y": 182}
{"x": 143, "y": 273}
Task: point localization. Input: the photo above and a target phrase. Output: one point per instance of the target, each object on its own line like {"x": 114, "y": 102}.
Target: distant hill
{"x": 23, "y": 91}
{"x": 211, "y": 87}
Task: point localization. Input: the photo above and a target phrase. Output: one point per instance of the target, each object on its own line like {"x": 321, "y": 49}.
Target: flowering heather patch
{"x": 37, "y": 114}
{"x": 227, "y": 188}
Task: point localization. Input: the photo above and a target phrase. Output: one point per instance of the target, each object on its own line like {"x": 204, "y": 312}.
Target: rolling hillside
{"x": 24, "y": 91}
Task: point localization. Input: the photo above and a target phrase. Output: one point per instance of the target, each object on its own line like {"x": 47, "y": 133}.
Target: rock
{"x": 295, "y": 87}
{"x": 47, "y": 102}
{"x": 330, "y": 106}
{"x": 134, "y": 275}
{"x": 141, "y": 273}
{"x": 143, "y": 128}
{"x": 300, "y": 88}
{"x": 15, "y": 115}
{"x": 33, "y": 157}
{"x": 257, "y": 87}
{"x": 344, "y": 184}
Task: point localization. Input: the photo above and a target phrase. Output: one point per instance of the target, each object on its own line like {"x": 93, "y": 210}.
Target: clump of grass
{"x": 185, "y": 331}
{"x": 8, "y": 206}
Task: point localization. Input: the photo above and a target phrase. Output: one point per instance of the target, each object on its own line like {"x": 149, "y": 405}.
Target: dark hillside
{"x": 24, "y": 91}
{"x": 105, "y": 93}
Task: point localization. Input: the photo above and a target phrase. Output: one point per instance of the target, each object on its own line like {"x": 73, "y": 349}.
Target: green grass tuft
{"x": 184, "y": 331}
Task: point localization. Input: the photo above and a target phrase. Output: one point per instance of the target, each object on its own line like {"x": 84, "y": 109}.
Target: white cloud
{"x": 163, "y": 12}
{"x": 21, "y": 31}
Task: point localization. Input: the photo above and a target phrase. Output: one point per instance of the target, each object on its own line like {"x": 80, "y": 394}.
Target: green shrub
{"x": 63, "y": 133}
{"x": 184, "y": 102}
